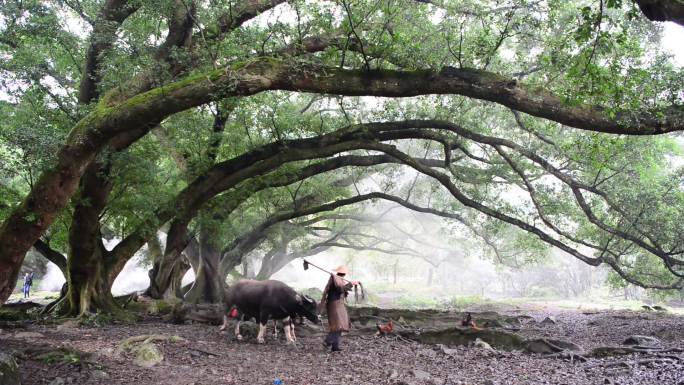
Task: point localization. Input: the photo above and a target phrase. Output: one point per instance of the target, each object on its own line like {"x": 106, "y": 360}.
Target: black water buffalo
{"x": 268, "y": 300}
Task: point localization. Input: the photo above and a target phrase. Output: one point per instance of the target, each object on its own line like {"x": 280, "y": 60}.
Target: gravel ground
{"x": 208, "y": 356}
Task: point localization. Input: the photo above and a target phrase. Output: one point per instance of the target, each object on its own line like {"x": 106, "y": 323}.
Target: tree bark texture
{"x": 208, "y": 286}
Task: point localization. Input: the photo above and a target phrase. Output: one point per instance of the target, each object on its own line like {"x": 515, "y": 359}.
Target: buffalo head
{"x": 308, "y": 308}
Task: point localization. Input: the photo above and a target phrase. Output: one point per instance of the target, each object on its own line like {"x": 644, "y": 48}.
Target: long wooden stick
{"x": 322, "y": 269}
{"x": 356, "y": 296}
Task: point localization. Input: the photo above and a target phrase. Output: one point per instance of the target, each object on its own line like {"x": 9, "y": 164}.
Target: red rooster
{"x": 385, "y": 329}
{"x": 468, "y": 321}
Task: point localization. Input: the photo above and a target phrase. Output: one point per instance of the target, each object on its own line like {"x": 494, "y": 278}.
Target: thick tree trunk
{"x": 208, "y": 286}
{"x": 168, "y": 264}
{"x": 89, "y": 286}
{"x": 175, "y": 288}
{"x": 166, "y": 277}
{"x": 89, "y": 289}
{"x": 271, "y": 263}
{"x": 168, "y": 270}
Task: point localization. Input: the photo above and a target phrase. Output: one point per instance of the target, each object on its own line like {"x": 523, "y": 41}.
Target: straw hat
{"x": 342, "y": 269}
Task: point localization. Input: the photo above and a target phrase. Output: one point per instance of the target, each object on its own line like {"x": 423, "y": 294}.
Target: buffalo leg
{"x": 237, "y": 330}
{"x": 275, "y": 329}
{"x": 260, "y": 336}
{"x": 289, "y": 333}
{"x": 292, "y": 330}
{"x": 288, "y": 327}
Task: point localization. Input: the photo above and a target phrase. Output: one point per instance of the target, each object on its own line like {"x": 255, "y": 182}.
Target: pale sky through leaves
{"x": 673, "y": 41}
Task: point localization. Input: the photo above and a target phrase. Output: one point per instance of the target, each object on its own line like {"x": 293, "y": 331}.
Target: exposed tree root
{"x": 608, "y": 351}
{"x": 204, "y": 313}
{"x": 550, "y": 346}
{"x": 21, "y": 305}
{"x": 570, "y": 356}
{"x": 130, "y": 342}
{"x": 124, "y": 300}
{"x": 51, "y": 306}
{"x": 635, "y": 363}
{"x": 59, "y": 356}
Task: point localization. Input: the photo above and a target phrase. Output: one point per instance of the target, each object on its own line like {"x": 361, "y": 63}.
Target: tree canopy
{"x": 238, "y": 128}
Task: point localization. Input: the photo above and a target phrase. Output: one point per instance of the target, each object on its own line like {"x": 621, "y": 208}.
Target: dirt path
{"x": 206, "y": 356}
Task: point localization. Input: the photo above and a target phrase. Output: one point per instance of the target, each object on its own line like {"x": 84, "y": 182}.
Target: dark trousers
{"x": 27, "y": 287}
{"x": 333, "y": 340}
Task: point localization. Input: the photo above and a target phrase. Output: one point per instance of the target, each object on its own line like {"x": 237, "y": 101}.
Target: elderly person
{"x": 334, "y": 296}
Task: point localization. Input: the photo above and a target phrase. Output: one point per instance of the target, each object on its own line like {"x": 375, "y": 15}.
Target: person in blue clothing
{"x": 28, "y": 282}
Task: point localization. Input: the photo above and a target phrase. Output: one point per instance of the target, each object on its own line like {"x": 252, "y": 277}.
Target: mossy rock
{"x": 9, "y": 370}
{"x": 104, "y": 318}
{"x": 159, "y": 307}
{"x": 147, "y": 355}
{"x": 461, "y": 336}
{"x": 249, "y": 329}
{"x": 364, "y": 315}
{"x": 428, "y": 318}
{"x": 63, "y": 356}
{"x": 11, "y": 315}
{"x": 131, "y": 342}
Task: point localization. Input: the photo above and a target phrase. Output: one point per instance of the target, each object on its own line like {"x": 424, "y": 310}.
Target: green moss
{"x": 147, "y": 355}
{"x": 13, "y": 315}
{"x": 462, "y": 302}
{"x": 210, "y": 75}
{"x": 175, "y": 339}
{"x": 160, "y": 307}
{"x": 63, "y": 356}
{"x": 107, "y": 318}
{"x": 9, "y": 369}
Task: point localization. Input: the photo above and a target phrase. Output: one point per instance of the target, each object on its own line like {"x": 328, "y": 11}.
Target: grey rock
{"x": 448, "y": 351}
{"x": 99, "y": 374}
{"x": 420, "y": 375}
{"x": 478, "y": 343}
{"x": 28, "y": 335}
{"x": 494, "y": 324}
{"x": 70, "y": 324}
{"x": 550, "y": 320}
{"x": 58, "y": 381}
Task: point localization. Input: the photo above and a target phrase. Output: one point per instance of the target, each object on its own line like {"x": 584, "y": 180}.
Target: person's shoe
{"x": 335, "y": 350}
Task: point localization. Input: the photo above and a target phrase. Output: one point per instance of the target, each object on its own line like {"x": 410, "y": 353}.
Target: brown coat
{"x": 333, "y": 300}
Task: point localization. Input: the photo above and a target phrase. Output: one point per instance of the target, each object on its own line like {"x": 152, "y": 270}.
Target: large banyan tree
{"x": 235, "y": 126}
